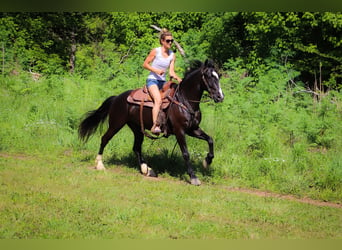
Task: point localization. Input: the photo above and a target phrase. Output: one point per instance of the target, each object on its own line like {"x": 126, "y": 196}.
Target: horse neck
{"x": 190, "y": 90}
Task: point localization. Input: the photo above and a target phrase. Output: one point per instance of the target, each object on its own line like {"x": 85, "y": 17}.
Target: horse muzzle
{"x": 219, "y": 97}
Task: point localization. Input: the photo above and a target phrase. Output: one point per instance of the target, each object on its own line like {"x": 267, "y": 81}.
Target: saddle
{"x": 142, "y": 97}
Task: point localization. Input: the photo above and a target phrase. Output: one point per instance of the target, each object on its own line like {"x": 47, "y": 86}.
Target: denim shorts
{"x": 159, "y": 83}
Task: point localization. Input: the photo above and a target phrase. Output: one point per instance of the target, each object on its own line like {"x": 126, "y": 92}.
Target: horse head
{"x": 211, "y": 81}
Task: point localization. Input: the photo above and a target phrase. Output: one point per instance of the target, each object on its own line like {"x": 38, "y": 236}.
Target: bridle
{"x": 206, "y": 83}
{"x": 173, "y": 100}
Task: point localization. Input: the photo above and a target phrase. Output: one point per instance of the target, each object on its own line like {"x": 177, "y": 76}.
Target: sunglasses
{"x": 169, "y": 40}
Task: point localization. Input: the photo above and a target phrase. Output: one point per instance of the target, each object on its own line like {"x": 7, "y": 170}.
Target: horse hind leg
{"x": 104, "y": 141}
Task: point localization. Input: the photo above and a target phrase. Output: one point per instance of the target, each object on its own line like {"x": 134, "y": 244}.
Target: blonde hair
{"x": 163, "y": 33}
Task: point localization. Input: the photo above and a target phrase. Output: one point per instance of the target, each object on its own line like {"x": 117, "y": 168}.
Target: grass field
{"x": 60, "y": 196}
{"x": 273, "y": 148}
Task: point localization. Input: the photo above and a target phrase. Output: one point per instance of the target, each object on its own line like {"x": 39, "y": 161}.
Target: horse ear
{"x": 209, "y": 63}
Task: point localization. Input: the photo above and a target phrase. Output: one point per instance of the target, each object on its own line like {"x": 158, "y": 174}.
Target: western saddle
{"x": 142, "y": 97}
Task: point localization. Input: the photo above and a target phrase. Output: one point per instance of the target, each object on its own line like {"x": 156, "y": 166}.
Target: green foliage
{"x": 269, "y": 136}
{"x": 272, "y": 133}
{"x": 94, "y": 43}
{"x": 275, "y": 137}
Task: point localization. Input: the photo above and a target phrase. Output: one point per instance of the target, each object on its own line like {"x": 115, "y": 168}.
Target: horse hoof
{"x": 144, "y": 168}
{"x": 99, "y": 163}
{"x": 195, "y": 181}
{"x": 100, "y": 166}
{"x": 151, "y": 173}
{"x": 147, "y": 171}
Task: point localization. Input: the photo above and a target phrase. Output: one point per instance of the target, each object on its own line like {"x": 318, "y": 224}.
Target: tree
{"x": 100, "y": 42}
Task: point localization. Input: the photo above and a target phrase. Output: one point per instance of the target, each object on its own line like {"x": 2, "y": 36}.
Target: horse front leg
{"x": 200, "y": 134}
{"x": 138, "y": 140}
{"x": 182, "y": 144}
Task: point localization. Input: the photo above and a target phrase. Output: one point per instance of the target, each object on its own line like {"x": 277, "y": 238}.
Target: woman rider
{"x": 157, "y": 62}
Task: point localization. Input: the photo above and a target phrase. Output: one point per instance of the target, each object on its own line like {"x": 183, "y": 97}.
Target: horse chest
{"x": 197, "y": 117}
{"x": 194, "y": 119}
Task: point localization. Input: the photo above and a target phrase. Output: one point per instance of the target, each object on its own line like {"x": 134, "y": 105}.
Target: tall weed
{"x": 267, "y": 134}
{"x": 274, "y": 137}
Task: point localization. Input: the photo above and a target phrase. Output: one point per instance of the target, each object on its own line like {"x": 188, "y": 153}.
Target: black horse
{"x": 183, "y": 116}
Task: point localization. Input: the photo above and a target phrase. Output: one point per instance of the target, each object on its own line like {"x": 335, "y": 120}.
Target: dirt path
{"x": 286, "y": 197}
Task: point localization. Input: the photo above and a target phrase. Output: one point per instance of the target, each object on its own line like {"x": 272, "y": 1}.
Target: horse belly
{"x": 134, "y": 116}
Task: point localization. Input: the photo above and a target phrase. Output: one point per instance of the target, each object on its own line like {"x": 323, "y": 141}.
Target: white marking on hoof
{"x": 147, "y": 171}
{"x": 100, "y": 166}
{"x": 195, "y": 181}
{"x": 99, "y": 163}
{"x": 144, "y": 168}
{"x": 205, "y": 164}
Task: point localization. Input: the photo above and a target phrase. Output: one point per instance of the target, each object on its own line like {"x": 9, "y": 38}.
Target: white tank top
{"x": 160, "y": 62}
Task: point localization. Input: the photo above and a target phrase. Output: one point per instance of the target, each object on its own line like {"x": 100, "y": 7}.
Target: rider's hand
{"x": 159, "y": 72}
{"x": 176, "y": 78}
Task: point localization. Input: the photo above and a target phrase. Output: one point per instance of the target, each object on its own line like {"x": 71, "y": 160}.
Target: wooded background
{"x": 278, "y": 129}
{"x": 104, "y": 43}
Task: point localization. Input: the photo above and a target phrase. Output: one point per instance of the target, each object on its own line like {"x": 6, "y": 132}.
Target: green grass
{"x": 59, "y": 196}
{"x": 267, "y": 139}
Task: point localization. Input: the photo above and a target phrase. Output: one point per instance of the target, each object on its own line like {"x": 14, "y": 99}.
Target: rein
{"x": 204, "y": 101}
{"x": 173, "y": 101}
{"x": 194, "y": 101}
{"x": 207, "y": 85}
{"x": 189, "y": 109}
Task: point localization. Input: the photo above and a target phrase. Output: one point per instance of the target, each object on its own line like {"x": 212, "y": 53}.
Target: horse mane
{"x": 193, "y": 67}
{"x": 196, "y": 65}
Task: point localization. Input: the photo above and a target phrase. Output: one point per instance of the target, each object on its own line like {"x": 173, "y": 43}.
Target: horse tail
{"x": 94, "y": 118}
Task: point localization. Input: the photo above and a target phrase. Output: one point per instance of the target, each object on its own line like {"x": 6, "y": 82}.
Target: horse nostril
{"x": 220, "y": 98}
